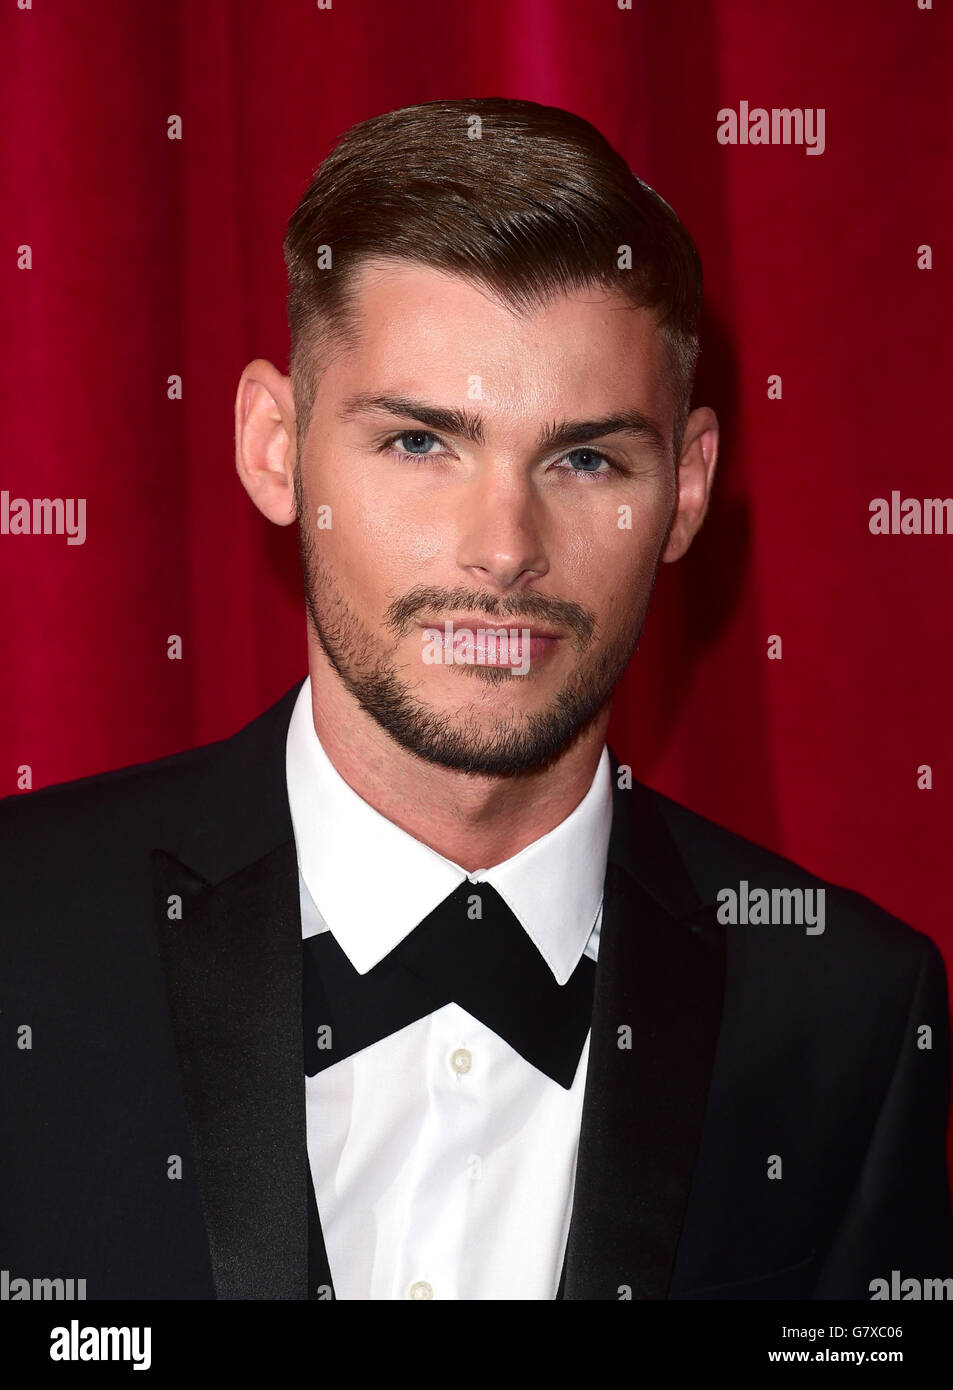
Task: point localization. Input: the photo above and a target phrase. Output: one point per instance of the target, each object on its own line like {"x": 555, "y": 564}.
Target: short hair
{"x": 538, "y": 204}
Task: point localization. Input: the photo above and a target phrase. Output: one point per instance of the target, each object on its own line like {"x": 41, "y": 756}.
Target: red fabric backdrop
{"x": 153, "y": 257}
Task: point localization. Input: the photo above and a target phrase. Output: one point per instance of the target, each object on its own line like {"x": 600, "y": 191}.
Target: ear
{"x": 696, "y": 471}
{"x": 265, "y": 445}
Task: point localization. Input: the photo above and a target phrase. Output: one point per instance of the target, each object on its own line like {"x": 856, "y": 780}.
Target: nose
{"x": 501, "y": 542}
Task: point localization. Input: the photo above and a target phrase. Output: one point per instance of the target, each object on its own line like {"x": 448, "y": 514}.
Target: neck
{"x": 474, "y": 820}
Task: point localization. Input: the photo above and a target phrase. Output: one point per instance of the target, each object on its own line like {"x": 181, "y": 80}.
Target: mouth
{"x": 529, "y": 646}
{"x": 470, "y": 623}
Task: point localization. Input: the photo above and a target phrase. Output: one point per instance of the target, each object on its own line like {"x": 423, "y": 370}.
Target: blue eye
{"x": 418, "y": 440}
{"x": 591, "y": 461}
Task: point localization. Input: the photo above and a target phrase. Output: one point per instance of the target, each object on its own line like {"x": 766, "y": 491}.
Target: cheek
{"x": 400, "y": 550}
{"x": 381, "y": 543}
{"x": 404, "y": 545}
{"x": 616, "y": 550}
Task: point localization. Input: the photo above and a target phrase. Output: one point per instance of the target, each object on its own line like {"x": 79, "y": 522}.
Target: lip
{"x": 471, "y": 623}
{"x": 538, "y": 647}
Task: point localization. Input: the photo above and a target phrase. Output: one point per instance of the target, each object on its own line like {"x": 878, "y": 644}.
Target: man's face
{"x": 476, "y": 516}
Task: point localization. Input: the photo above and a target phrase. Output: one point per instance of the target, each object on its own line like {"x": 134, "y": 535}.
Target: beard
{"x": 518, "y": 742}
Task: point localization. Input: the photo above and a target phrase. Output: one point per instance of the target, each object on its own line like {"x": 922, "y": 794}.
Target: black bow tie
{"x": 486, "y": 964}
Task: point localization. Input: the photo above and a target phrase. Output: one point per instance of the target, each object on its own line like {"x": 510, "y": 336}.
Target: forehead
{"x": 421, "y": 330}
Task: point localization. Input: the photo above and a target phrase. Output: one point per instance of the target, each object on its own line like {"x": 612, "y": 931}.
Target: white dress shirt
{"x": 442, "y": 1161}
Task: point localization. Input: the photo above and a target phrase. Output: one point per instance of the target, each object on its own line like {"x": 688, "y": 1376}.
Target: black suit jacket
{"x": 154, "y": 1115}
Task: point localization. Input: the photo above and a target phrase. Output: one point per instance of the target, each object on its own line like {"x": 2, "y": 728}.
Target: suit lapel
{"x": 660, "y": 975}
{"x": 232, "y": 964}
{"x": 233, "y": 974}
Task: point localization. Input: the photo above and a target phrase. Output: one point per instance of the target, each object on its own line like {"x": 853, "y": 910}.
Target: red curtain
{"x": 154, "y": 258}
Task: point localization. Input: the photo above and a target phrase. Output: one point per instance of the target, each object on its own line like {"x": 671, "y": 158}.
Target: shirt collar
{"x": 372, "y": 882}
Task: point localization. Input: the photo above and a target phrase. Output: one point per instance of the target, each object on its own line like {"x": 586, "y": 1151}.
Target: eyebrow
{"x": 467, "y": 425}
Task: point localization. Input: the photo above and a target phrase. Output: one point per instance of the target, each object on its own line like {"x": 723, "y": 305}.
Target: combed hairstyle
{"x": 525, "y": 200}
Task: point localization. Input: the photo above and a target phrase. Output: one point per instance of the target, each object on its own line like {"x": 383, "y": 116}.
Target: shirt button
{"x": 420, "y": 1290}
{"x": 461, "y": 1061}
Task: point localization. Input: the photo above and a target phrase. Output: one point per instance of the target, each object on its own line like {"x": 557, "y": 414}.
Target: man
{"x": 407, "y": 990}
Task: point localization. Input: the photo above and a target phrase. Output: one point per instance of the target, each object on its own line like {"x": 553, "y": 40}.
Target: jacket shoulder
{"x": 718, "y": 859}
{"x": 103, "y": 801}
{"x": 127, "y": 802}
